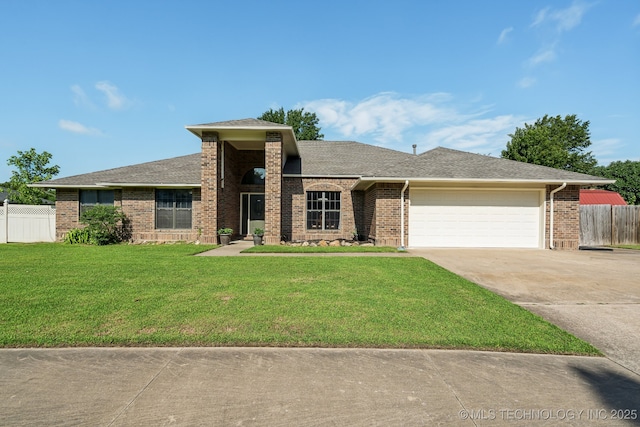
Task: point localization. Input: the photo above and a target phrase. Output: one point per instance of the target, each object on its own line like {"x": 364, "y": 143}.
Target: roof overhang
{"x": 104, "y": 185}
{"x": 365, "y": 182}
{"x": 248, "y": 137}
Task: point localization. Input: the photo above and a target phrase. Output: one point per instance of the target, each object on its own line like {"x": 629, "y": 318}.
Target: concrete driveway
{"x": 594, "y": 294}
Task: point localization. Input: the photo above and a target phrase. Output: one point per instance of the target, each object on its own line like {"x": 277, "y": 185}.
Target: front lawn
{"x": 70, "y": 295}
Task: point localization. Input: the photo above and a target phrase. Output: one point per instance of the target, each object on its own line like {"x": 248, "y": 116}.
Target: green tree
{"x": 627, "y": 176}
{"x": 555, "y": 142}
{"x": 31, "y": 167}
{"x": 304, "y": 123}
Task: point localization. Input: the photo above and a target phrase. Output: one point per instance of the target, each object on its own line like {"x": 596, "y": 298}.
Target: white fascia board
{"x": 368, "y": 181}
{"x": 296, "y": 175}
{"x": 115, "y": 185}
{"x": 40, "y": 185}
{"x": 152, "y": 185}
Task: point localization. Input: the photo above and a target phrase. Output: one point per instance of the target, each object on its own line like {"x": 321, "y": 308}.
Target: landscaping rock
{"x": 323, "y": 243}
{"x": 335, "y": 243}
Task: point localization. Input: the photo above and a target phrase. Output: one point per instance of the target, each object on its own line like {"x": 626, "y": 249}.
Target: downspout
{"x": 551, "y": 245}
{"x": 406, "y": 184}
{"x": 222, "y": 167}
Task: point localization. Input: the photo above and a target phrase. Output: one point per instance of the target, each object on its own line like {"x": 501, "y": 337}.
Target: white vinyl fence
{"x": 27, "y": 223}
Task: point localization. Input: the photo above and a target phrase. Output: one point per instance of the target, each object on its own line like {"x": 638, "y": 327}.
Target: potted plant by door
{"x": 258, "y": 233}
{"x": 225, "y": 235}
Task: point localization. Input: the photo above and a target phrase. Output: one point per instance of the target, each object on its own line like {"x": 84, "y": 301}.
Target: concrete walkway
{"x": 300, "y": 387}
{"x": 236, "y": 247}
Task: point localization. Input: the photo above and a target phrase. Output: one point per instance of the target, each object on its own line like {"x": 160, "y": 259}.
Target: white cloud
{"x": 540, "y": 17}
{"x": 526, "y": 82}
{"x": 569, "y": 18}
{"x": 385, "y": 116}
{"x": 564, "y": 19}
{"x": 636, "y": 21}
{"x": 504, "y": 34}
{"x": 115, "y": 99}
{"x": 484, "y": 136}
{"x": 80, "y": 98}
{"x": 428, "y": 121}
{"x": 605, "y": 150}
{"x": 79, "y": 128}
{"x": 543, "y": 55}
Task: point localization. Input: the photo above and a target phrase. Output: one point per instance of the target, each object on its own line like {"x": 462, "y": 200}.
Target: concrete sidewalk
{"x": 286, "y": 387}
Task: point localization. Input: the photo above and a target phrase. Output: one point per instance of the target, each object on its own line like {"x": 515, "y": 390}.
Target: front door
{"x": 251, "y": 212}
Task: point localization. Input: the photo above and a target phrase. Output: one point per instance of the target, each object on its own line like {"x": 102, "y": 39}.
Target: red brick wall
{"x": 566, "y": 221}
{"x": 209, "y": 189}
{"x": 387, "y": 214}
{"x": 67, "y": 211}
{"x": 273, "y": 188}
{"x": 294, "y": 210}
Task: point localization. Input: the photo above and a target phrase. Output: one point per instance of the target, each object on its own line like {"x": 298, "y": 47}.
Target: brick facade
{"x": 273, "y": 188}
{"x": 566, "y": 221}
{"x": 373, "y": 213}
{"x": 294, "y": 210}
{"x": 67, "y": 211}
{"x": 209, "y": 189}
{"x": 382, "y": 202}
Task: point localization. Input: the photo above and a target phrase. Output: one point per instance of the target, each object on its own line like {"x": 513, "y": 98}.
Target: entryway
{"x": 251, "y": 212}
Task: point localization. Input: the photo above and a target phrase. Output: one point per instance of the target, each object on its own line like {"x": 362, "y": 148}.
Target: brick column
{"x": 273, "y": 188}
{"x": 566, "y": 219}
{"x": 209, "y": 190}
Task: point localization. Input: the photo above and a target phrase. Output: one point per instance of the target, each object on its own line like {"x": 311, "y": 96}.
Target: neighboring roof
{"x": 600, "y": 197}
{"x": 183, "y": 171}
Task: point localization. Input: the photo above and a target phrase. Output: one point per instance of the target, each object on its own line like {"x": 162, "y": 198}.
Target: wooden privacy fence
{"x": 27, "y": 223}
{"x": 609, "y": 225}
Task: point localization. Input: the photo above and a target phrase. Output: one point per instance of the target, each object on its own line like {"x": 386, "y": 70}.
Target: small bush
{"x": 105, "y": 225}
{"x": 77, "y": 236}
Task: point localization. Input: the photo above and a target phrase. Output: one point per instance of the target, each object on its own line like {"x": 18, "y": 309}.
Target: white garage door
{"x": 475, "y": 218}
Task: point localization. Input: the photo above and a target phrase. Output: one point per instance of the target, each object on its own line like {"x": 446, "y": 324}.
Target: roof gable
{"x": 242, "y": 123}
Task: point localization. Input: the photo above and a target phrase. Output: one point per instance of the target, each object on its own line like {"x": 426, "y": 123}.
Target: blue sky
{"x": 113, "y": 83}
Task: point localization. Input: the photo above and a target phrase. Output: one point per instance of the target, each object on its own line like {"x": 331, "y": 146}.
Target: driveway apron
{"x": 594, "y": 294}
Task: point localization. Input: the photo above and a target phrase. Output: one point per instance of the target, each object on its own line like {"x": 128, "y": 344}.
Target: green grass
{"x": 282, "y": 249}
{"x": 636, "y": 247}
{"x": 71, "y": 295}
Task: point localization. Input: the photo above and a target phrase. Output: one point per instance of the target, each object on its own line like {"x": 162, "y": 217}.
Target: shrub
{"x": 105, "y": 225}
{"x": 77, "y": 236}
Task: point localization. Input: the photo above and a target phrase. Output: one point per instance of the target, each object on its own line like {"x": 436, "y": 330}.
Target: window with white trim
{"x": 173, "y": 209}
{"x": 91, "y": 198}
{"x": 323, "y": 210}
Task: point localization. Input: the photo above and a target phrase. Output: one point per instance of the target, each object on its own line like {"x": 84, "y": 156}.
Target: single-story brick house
{"x": 251, "y": 173}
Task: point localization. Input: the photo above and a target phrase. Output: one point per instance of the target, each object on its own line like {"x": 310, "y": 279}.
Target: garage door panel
{"x": 474, "y": 218}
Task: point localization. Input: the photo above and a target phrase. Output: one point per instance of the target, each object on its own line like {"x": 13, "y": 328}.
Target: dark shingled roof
{"x": 443, "y": 163}
{"x": 242, "y": 123}
{"x": 342, "y": 158}
{"x": 174, "y": 171}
